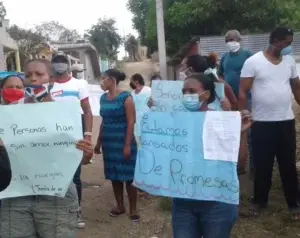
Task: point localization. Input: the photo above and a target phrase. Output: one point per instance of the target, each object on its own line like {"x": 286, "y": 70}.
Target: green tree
{"x": 27, "y": 40}
{"x": 131, "y": 46}
{"x": 187, "y": 18}
{"x": 2, "y": 10}
{"x": 55, "y": 31}
{"x": 105, "y": 37}
{"x": 139, "y": 9}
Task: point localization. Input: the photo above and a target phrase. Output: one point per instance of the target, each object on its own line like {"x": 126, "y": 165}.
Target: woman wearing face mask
{"x": 12, "y": 89}
{"x": 199, "y": 64}
{"x": 39, "y": 216}
{"x": 116, "y": 136}
{"x": 194, "y": 218}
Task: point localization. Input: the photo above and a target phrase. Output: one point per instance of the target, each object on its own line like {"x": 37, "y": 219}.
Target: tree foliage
{"x": 131, "y": 46}
{"x": 2, "y": 10}
{"x": 55, "y": 31}
{"x": 139, "y": 8}
{"x": 27, "y": 40}
{"x": 187, "y": 18}
{"x": 105, "y": 37}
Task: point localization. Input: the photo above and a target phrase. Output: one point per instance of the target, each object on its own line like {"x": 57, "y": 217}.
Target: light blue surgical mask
{"x": 191, "y": 102}
{"x": 287, "y": 50}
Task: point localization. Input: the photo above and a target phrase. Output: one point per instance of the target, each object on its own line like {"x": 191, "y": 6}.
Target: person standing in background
{"x": 230, "y": 70}
{"x": 77, "y": 71}
{"x": 116, "y": 136}
{"x": 272, "y": 77}
{"x": 68, "y": 88}
{"x": 140, "y": 93}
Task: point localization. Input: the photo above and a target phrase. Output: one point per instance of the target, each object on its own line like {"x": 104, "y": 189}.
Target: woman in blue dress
{"x": 116, "y": 137}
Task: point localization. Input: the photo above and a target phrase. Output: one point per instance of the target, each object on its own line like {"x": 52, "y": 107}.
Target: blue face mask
{"x": 287, "y": 50}
{"x": 191, "y": 102}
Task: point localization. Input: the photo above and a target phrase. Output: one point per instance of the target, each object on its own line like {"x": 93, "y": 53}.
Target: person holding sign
{"x": 39, "y": 216}
{"x": 194, "y": 218}
{"x": 116, "y": 137}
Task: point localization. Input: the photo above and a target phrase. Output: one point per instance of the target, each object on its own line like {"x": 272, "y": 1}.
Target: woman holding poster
{"x": 38, "y": 216}
{"x": 194, "y": 218}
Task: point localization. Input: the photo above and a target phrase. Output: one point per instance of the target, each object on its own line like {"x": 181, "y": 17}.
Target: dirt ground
{"x": 155, "y": 212}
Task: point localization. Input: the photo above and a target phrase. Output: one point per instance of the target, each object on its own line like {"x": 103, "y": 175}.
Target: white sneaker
{"x": 80, "y": 221}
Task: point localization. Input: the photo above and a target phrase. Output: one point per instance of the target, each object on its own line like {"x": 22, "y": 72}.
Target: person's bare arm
{"x": 130, "y": 118}
{"x": 295, "y": 85}
{"x": 87, "y": 114}
{"x": 245, "y": 87}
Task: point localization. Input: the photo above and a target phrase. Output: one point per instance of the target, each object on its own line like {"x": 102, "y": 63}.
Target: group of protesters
{"x": 260, "y": 83}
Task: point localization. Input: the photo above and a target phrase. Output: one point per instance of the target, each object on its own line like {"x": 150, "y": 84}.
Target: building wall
{"x": 89, "y": 72}
{"x": 2, "y": 59}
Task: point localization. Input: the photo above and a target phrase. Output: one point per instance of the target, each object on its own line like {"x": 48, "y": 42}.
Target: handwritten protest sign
{"x": 171, "y": 160}
{"x": 40, "y": 140}
{"x": 167, "y": 96}
{"x": 141, "y": 107}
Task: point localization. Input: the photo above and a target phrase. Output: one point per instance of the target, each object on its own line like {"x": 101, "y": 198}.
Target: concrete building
{"x": 9, "y": 50}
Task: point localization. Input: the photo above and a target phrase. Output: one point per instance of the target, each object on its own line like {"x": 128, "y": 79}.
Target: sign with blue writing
{"x": 141, "y": 107}
{"x": 190, "y": 155}
{"x": 40, "y": 140}
{"x": 167, "y": 96}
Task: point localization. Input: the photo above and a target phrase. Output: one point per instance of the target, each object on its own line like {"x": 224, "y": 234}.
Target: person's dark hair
{"x": 155, "y": 76}
{"x": 212, "y": 60}
{"x": 207, "y": 84}
{"x": 4, "y": 80}
{"x": 114, "y": 73}
{"x": 197, "y": 62}
{"x": 138, "y": 78}
{"x": 280, "y": 33}
{"x": 46, "y": 62}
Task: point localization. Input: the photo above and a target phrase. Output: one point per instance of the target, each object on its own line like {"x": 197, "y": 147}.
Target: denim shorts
{"x": 40, "y": 216}
{"x": 195, "y": 219}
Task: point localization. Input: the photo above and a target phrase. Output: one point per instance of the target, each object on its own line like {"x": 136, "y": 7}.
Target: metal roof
{"x": 254, "y": 43}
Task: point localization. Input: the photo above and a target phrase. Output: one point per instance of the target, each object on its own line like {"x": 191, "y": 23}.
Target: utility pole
{"x": 161, "y": 39}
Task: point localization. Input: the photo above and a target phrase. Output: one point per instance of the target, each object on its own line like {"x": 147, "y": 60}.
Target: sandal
{"x": 135, "y": 218}
{"x": 116, "y": 212}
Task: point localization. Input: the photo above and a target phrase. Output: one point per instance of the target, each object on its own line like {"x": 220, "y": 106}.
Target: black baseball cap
{"x": 60, "y": 55}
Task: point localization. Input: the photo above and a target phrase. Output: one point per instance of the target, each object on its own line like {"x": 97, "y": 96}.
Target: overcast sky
{"x": 79, "y": 15}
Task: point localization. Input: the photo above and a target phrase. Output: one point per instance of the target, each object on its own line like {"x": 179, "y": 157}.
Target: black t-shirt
{"x": 5, "y": 170}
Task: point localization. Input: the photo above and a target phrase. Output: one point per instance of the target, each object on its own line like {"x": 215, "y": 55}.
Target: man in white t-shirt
{"x": 140, "y": 95}
{"x": 67, "y": 88}
{"x": 272, "y": 78}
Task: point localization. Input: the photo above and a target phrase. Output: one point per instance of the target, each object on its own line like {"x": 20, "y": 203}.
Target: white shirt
{"x": 140, "y": 99}
{"x": 73, "y": 89}
{"x": 271, "y": 89}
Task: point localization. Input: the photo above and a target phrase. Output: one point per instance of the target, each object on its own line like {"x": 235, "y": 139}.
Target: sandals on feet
{"x": 135, "y": 218}
{"x": 116, "y": 212}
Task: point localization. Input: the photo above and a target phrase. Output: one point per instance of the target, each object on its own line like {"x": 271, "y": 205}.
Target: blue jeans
{"x": 195, "y": 219}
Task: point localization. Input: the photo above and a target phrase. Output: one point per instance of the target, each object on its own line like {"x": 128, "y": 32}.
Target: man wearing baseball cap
{"x": 78, "y": 71}
{"x": 67, "y": 88}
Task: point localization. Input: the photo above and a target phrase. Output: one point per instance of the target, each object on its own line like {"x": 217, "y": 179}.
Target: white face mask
{"x": 233, "y": 46}
{"x": 80, "y": 75}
